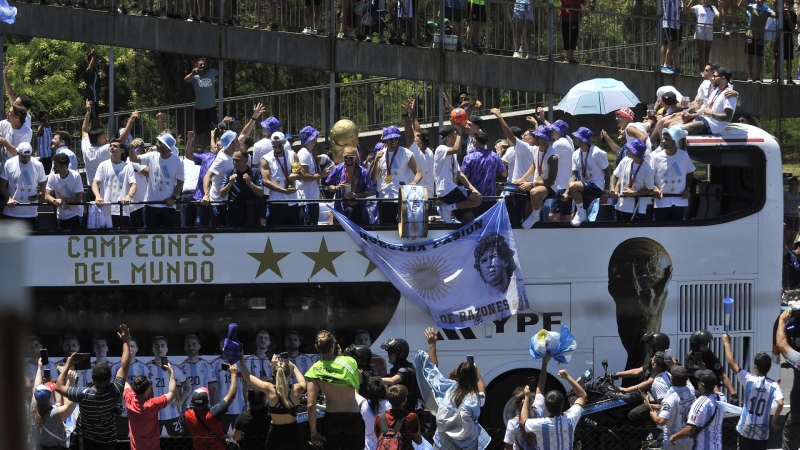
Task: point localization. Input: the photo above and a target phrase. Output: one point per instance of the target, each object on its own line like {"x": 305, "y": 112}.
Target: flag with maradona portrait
{"x": 464, "y": 278}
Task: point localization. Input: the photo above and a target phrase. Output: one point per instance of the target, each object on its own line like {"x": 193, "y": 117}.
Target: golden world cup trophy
{"x": 343, "y": 134}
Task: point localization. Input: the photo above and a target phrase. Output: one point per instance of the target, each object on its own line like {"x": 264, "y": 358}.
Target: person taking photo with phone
{"x": 96, "y": 426}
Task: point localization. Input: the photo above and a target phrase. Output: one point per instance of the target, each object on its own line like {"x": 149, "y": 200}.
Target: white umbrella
{"x": 597, "y": 96}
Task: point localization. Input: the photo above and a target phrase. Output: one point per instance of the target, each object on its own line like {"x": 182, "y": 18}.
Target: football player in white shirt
{"x": 590, "y": 174}
{"x": 674, "y": 172}
{"x": 65, "y": 189}
{"x": 199, "y": 372}
{"x": 759, "y": 393}
{"x": 259, "y": 363}
{"x": 170, "y": 418}
{"x": 558, "y": 428}
{"x": 633, "y": 178}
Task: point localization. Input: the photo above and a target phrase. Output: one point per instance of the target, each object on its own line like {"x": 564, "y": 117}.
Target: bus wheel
{"x": 499, "y": 405}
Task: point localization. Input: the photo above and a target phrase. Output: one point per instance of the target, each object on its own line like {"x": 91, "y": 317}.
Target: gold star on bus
{"x": 323, "y": 259}
{"x": 268, "y": 260}
{"x": 371, "y": 266}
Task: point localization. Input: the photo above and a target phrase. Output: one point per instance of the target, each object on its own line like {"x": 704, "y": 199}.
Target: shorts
{"x": 569, "y": 34}
{"x": 454, "y": 14}
{"x": 706, "y": 129}
{"x": 671, "y": 35}
{"x": 590, "y": 192}
{"x": 477, "y": 12}
{"x": 551, "y": 193}
{"x": 559, "y": 206}
{"x": 343, "y": 431}
{"x": 459, "y": 194}
{"x": 285, "y": 437}
{"x": 754, "y": 47}
{"x": 308, "y": 2}
{"x": 261, "y": 207}
{"x": 203, "y": 118}
{"x": 704, "y": 32}
{"x": 523, "y": 11}
{"x": 788, "y": 51}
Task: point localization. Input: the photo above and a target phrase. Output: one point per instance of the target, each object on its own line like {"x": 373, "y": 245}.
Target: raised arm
{"x": 234, "y": 385}
{"x": 407, "y": 121}
{"x": 258, "y": 110}
{"x": 726, "y": 341}
{"x": 87, "y": 119}
{"x": 189, "y": 152}
{"x": 125, "y": 363}
{"x": 61, "y": 382}
{"x": 251, "y": 379}
{"x": 173, "y": 383}
{"x": 127, "y": 130}
{"x": 543, "y": 375}
{"x": 780, "y": 333}
{"x": 7, "y": 84}
{"x": 430, "y": 336}
{"x": 512, "y": 140}
{"x": 581, "y": 400}
{"x": 161, "y": 125}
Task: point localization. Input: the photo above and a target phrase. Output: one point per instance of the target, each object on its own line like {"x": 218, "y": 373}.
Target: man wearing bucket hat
{"x": 308, "y": 178}
{"x": 22, "y": 185}
{"x": 590, "y": 174}
{"x": 393, "y": 167}
{"x": 633, "y": 179}
{"x": 544, "y": 170}
{"x": 278, "y": 177}
{"x": 561, "y": 206}
{"x": 213, "y": 179}
{"x": 674, "y": 171}
{"x": 164, "y": 184}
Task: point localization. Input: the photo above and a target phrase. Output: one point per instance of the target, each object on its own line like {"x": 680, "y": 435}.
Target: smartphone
{"x": 43, "y": 355}
{"x": 164, "y": 361}
{"x": 470, "y": 359}
{"x": 698, "y": 357}
{"x": 284, "y": 355}
{"x": 225, "y": 366}
{"x": 81, "y": 361}
{"x": 668, "y": 354}
{"x": 46, "y": 376}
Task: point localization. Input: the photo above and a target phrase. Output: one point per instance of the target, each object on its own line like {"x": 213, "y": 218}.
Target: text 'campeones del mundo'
{"x": 142, "y": 259}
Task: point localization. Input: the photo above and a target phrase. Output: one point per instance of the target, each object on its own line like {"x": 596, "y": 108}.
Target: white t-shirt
{"x": 675, "y": 408}
{"x": 308, "y": 189}
{"x": 759, "y": 392}
{"x": 93, "y": 155}
{"x": 661, "y": 385}
{"x": 424, "y": 162}
{"x": 23, "y": 181}
{"x": 718, "y": 104}
{"x": 704, "y": 91}
{"x": 399, "y": 169}
{"x": 221, "y": 165}
{"x": 164, "y": 175}
{"x": 63, "y": 188}
{"x": 670, "y": 176}
{"x": 191, "y": 173}
{"x": 141, "y": 186}
{"x": 643, "y": 177}
{"x": 73, "y": 160}
{"x": 370, "y": 439}
{"x": 114, "y": 182}
{"x": 509, "y": 157}
{"x": 595, "y": 161}
{"x": 705, "y": 14}
{"x": 559, "y": 430}
{"x": 277, "y": 175}
{"x": 564, "y": 148}
{"x": 446, "y": 169}
{"x": 15, "y": 137}
{"x": 521, "y": 158}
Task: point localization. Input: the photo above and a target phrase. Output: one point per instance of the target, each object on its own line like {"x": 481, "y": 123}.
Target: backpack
{"x": 390, "y": 438}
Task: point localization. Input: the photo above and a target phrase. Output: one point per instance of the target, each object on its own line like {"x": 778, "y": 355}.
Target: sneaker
{"x": 257, "y": 26}
{"x": 446, "y": 211}
{"x": 517, "y": 55}
{"x": 580, "y": 216}
{"x": 775, "y": 81}
{"x": 192, "y": 18}
{"x": 307, "y": 31}
{"x": 749, "y": 79}
{"x": 667, "y": 70}
{"x": 677, "y": 71}
{"x": 531, "y": 220}
{"x": 790, "y": 82}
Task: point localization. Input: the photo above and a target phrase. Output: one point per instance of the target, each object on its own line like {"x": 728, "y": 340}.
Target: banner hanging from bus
{"x": 463, "y": 279}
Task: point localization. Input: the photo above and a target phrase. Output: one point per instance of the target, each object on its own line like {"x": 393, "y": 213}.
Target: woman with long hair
{"x": 459, "y": 402}
{"x": 47, "y": 419}
{"x": 284, "y": 399}
{"x": 516, "y": 437}
{"x": 373, "y": 404}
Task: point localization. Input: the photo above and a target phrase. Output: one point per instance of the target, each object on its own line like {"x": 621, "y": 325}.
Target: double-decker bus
{"x": 592, "y": 279}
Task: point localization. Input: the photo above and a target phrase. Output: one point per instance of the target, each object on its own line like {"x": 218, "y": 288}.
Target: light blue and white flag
{"x": 462, "y": 279}
{"x": 8, "y": 14}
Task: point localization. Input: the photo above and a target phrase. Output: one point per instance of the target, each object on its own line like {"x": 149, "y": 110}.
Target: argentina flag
{"x": 8, "y": 14}
{"x": 467, "y": 277}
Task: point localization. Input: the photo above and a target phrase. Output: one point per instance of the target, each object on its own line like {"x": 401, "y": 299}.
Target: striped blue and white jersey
{"x": 706, "y": 415}
{"x": 33, "y": 367}
{"x": 224, "y": 383}
{"x": 302, "y": 362}
{"x": 260, "y": 367}
{"x": 137, "y": 368}
{"x": 200, "y": 374}
{"x": 555, "y": 433}
{"x": 160, "y": 382}
{"x": 675, "y": 409}
{"x": 759, "y": 392}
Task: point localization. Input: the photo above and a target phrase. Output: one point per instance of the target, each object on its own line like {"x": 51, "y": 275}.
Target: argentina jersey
{"x": 260, "y": 367}
{"x": 303, "y": 363}
{"x": 706, "y": 415}
{"x": 675, "y": 409}
{"x": 160, "y": 383}
{"x": 223, "y": 384}
{"x": 137, "y": 368}
{"x": 759, "y": 392}
{"x": 200, "y": 374}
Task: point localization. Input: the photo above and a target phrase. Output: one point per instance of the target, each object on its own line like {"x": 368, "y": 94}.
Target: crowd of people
{"x": 225, "y": 178}
{"x": 347, "y": 399}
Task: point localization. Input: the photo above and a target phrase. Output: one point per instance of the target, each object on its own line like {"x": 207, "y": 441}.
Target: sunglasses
{"x": 349, "y": 157}
{"x": 392, "y": 139}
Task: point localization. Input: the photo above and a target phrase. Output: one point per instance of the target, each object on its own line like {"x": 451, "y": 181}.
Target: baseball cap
{"x": 445, "y": 131}
{"x": 669, "y": 98}
{"x": 25, "y": 148}
{"x": 477, "y": 120}
{"x": 43, "y": 392}
{"x": 626, "y": 113}
{"x": 706, "y": 377}
{"x": 278, "y": 137}
{"x": 200, "y": 398}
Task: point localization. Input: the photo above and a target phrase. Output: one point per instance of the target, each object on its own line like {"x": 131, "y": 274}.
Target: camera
{"x": 221, "y": 127}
